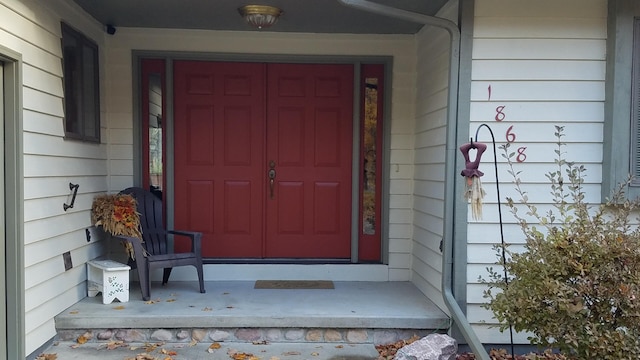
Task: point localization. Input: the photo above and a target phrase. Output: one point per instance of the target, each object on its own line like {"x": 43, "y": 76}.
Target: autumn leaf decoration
{"x": 117, "y": 215}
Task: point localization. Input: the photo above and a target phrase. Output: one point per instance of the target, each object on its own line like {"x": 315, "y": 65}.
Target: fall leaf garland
{"x": 117, "y": 215}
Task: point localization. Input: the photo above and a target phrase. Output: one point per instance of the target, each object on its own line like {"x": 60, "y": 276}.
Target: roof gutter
{"x": 450, "y": 157}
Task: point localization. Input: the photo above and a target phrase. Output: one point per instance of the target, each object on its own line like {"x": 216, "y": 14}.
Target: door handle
{"x": 272, "y": 176}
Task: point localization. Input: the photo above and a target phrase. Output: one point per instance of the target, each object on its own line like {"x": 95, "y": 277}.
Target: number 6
{"x": 511, "y": 137}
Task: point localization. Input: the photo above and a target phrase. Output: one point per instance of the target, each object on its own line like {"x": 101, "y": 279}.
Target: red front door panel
{"x": 309, "y": 139}
{"x": 231, "y": 121}
{"x": 219, "y": 152}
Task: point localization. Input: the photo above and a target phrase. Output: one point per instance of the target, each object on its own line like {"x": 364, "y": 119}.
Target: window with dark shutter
{"x": 635, "y": 103}
{"x": 621, "y": 131}
{"x": 81, "y": 86}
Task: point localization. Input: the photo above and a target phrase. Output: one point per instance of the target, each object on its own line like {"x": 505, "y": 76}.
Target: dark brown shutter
{"x": 635, "y": 102}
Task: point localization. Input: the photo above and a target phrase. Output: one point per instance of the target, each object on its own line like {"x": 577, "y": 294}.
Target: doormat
{"x": 293, "y": 284}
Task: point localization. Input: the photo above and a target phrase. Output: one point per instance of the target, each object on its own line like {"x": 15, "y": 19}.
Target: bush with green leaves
{"x": 576, "y": 285}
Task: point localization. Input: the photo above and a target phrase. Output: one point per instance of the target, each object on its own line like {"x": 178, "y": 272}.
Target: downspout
{"x": 450, "y": 157}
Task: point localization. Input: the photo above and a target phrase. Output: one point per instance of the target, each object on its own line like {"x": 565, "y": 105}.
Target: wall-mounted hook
{"x": 74, "y": 188}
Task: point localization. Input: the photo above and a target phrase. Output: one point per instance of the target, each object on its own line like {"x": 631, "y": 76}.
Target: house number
{"x": 499, "y": 114}
{"x": 521, "y": 155}
{"x": 510, "y": 135}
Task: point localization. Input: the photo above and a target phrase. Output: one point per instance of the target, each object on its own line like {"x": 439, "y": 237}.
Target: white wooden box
{"x": 109, "y": 277}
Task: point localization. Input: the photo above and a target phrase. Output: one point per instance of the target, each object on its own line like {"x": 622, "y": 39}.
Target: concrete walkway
{"x": 240, "y": 351}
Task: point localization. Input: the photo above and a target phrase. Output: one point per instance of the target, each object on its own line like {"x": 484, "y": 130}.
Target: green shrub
{"x": 576, "y": 285}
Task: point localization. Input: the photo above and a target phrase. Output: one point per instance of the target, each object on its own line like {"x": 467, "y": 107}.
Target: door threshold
{"x": 282, "y": 271}
{"x": 304, "y": 261}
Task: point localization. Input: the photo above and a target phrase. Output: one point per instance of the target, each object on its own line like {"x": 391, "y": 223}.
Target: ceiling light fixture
{"x": 260, "y": 16}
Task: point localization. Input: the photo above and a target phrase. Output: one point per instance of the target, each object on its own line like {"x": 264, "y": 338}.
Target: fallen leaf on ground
{"x": 47, "y": 357}
{"x": 121, "y": 307}
{"x": 82, "y": 339}
{"x": 291, "y": 353}
{"x": 143, "y": 356}
{"x": 339, "y": 346}
{"x": 388, "y": 352}
{"x": 193, "y": 342}
{"x": 207, "y": 309}
{"x": 260, "y": 342}
{"x": 151, "y": 347}
{"x": 168, "y": 352}
{"x": 214, "y": 346}
{"x": 315, "y": 354}
{"x": 236, "y": 355}
{"x": 112, "y": 345}
{"x": 171, "y": 300}
{"x": 73, "y": 312}
{"x": 152, "y": 301}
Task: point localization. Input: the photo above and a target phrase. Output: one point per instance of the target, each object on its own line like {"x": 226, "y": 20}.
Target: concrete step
{"x": 351, "y": 313}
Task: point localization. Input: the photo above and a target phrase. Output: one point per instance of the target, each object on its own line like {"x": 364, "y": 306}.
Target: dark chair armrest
{"x": 196, "y": 239}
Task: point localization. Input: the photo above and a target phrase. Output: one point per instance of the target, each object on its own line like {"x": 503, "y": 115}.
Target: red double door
{"x": 263, "y": 158}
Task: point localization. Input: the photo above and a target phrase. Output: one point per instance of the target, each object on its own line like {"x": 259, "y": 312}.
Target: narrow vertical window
{"x": 370, "y": 136}
{"x": 371, "y": 163}
{"x": 153, "y": 125}
{"x": 81, "y": 86}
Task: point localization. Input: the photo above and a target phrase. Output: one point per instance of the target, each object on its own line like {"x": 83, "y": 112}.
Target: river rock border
{"x": 269, "y": 335}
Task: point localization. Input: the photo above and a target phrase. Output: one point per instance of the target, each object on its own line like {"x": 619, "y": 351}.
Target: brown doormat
{"x": 293, "y": 284}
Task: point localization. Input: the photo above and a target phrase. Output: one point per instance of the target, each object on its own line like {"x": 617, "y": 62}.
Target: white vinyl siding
{"x": 545, "y": 62}
{"x": 429, "y": 161}
{"x": 50, "y": 164}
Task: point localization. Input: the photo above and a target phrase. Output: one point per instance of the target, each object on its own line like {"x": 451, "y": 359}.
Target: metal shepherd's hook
{"x": 475, "y": 193}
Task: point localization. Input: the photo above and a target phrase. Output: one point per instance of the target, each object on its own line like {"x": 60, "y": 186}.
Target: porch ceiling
{"x": 306, "y": 16}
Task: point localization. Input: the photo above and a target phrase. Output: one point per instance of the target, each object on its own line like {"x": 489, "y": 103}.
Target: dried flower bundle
{"x": 117, "y": 215}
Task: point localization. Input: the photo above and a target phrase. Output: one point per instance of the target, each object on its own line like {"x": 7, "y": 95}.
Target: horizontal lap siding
{"x": 429, "y": 161}
{"x": 50, "y": 164}
{"x": 545, "y": 63}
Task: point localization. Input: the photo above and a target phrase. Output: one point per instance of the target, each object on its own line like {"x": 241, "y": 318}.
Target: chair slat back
{"x": 149, "y": 207}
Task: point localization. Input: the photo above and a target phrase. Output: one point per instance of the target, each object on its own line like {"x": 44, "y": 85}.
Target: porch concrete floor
{"x": 236, "y": 304}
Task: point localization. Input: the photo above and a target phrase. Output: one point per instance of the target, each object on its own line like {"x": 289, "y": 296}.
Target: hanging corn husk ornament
{"x": 474, "y": 192}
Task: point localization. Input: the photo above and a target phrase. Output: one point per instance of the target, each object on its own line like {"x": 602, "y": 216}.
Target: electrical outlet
{"x": 68, "y": 264}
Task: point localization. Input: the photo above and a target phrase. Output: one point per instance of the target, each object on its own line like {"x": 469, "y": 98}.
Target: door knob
{"x": 272, "y": 177}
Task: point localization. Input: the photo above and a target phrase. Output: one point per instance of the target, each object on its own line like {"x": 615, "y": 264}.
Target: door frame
{"x": 12, "y": 199}
{"x": 356, "y": 61}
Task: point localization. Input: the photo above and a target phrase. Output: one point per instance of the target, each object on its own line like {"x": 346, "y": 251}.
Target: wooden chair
{"x": 153, "y": 252}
